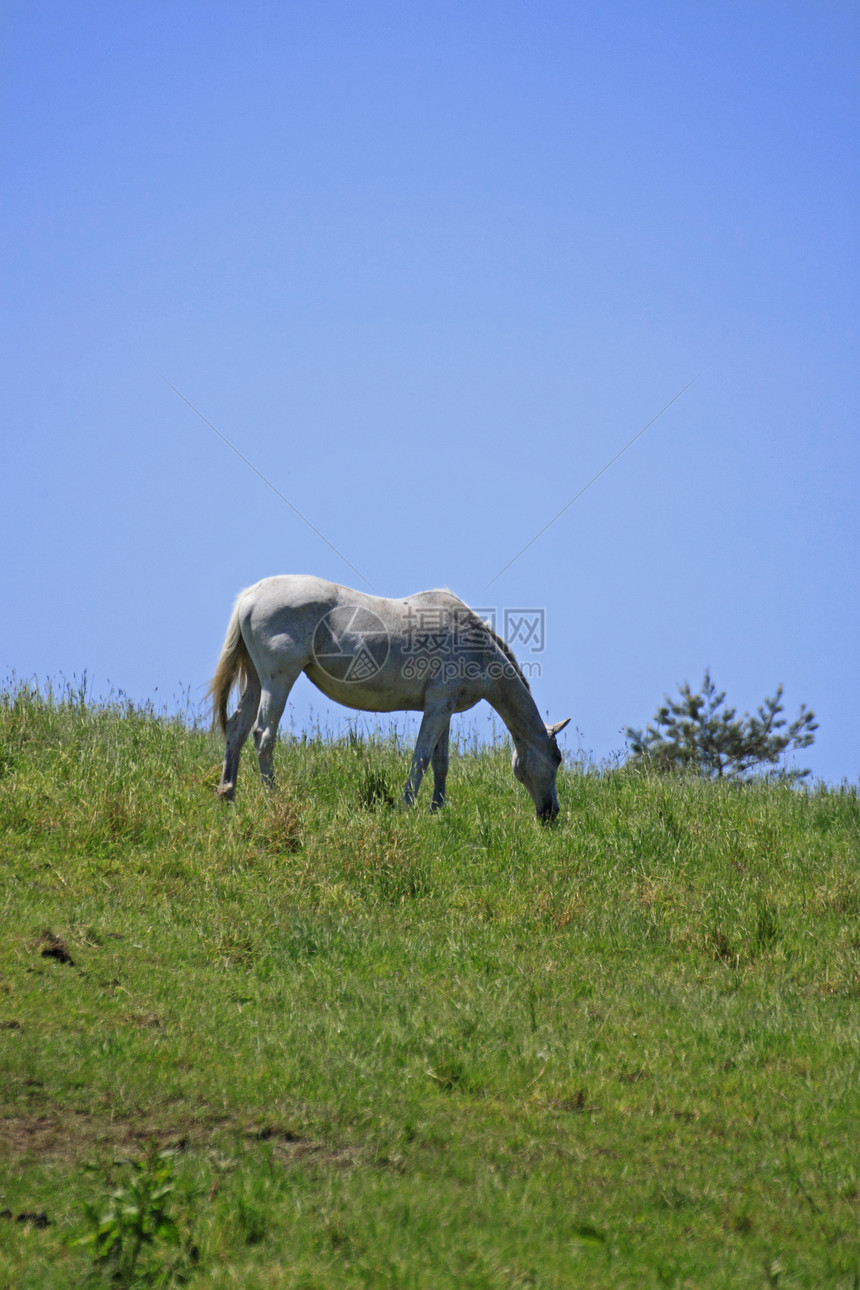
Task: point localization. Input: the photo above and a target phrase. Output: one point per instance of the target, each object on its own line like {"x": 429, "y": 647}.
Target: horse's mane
{"x": 506, "y": 650}
{"x": 497, "y": 640}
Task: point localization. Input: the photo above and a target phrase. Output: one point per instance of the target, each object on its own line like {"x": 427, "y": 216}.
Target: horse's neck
{"x": 513, "y": 701}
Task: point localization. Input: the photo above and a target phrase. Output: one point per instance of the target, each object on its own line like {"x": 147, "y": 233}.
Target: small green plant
{"x": 137, "y": 1217}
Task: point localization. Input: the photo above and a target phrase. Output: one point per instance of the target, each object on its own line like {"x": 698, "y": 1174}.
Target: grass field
{"x": 314, "y": 1040}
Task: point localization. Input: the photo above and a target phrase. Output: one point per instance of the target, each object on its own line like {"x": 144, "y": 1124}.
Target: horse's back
{"x": 306, "y": 594}
{"x": 278, "y": 616}
{"x": 289, "y": 591}
{"x": 282, "y": 615}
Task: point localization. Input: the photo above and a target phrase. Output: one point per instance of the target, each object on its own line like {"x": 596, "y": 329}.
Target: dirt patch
{"x": 75, "y": 1137}
{"x": 288, "y": 1153}
{"x": 289, "y": 1148}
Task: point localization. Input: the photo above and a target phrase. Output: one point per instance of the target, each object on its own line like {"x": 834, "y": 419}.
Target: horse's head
{"x": 535, "y": 764}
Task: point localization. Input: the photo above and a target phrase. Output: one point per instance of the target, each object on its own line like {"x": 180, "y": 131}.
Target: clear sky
{"x": 429, "y": 267}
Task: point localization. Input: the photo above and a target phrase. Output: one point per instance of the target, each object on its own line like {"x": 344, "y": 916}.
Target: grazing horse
{"x": 426, "y": 653}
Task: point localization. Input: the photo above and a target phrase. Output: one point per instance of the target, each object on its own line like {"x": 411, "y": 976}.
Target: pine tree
{"x": 700, "y": 733}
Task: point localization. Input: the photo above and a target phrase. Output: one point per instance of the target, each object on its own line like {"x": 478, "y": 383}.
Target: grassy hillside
{"x": 313, "y": 1040}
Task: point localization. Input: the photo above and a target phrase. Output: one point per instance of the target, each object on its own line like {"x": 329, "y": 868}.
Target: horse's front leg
{"x": 434, "y": 725}
{"x": 440, "y": 768}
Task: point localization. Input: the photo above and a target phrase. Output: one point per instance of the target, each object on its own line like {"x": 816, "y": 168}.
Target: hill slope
{"x": 394, "y": 1049}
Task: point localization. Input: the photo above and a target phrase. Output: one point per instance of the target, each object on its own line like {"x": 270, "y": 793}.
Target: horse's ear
{"x": 558, "y": 727}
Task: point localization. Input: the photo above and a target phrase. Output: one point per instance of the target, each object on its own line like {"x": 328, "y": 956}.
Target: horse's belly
{"x": 382, "y": 692}
{"x": 365, "y": 692}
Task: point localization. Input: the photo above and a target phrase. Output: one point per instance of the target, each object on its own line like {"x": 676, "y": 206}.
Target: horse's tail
{"x": 234, "y": 664}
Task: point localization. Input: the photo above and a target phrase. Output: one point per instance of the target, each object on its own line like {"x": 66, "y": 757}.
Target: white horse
{"x": 427, "y": 653}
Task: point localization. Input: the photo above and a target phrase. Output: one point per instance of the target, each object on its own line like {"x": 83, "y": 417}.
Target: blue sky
{"x": 430, "y": 267}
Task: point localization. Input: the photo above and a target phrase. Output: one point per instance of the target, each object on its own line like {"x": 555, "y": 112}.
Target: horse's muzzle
{"x": 547, "y": 812}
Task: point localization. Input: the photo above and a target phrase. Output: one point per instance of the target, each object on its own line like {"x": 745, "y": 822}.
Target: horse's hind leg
{"x": 275, "y": 693}
{"x": 238, "y": 729}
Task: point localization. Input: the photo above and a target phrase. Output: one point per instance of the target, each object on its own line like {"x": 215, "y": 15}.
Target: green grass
{"x": 402, "y": 1050}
